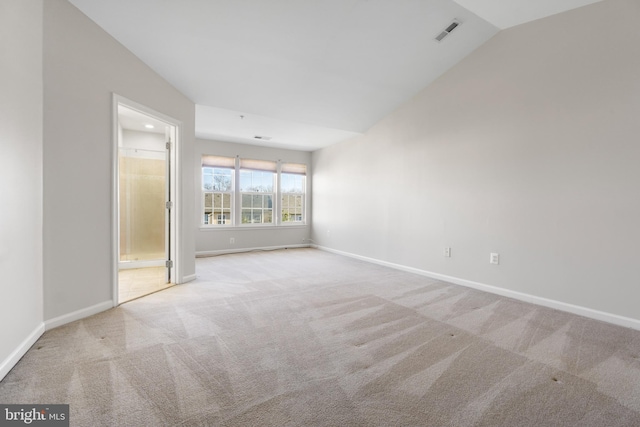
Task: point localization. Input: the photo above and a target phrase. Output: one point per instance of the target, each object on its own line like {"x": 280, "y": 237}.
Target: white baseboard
{"x": 558, "y": 305}
{"x": 77, "y": 315}
{"x": 7, "y": 364}
{"x": 188, "y": 278}
{"x": 204, "y": 254}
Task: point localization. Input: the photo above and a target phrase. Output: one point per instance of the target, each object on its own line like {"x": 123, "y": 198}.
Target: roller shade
{"x": 294, "y": 168}
{"x": 218, "y": 162}
{"x": 258, "y": 165}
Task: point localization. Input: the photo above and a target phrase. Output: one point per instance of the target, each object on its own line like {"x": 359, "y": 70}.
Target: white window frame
{"x": 258, "y": 167}
{"x": 297, "y": 170}
{"x": 217, "y": 162}
{"x": 278, "y": 168}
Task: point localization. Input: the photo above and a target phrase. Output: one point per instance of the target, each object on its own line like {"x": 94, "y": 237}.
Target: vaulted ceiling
{"x": 304, "y": 74}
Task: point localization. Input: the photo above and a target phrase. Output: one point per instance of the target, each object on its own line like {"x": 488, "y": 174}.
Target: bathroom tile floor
{"x": 137, "y": 282}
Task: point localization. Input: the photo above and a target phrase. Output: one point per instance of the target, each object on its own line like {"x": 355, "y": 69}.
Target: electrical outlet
{"x": 232, "y": 240}
{"x": 494, "y": 258}
{"x": 447, "y": 252}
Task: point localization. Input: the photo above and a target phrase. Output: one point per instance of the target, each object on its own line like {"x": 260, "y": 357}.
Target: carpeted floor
{"x": 307, "y": 338}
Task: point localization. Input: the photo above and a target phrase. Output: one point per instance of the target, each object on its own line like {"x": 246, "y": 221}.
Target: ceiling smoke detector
{"x": 262, "y": 138}
{"x": 448, "y": 30}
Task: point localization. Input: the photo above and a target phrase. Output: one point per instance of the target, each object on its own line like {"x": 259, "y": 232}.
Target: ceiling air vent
{"x": 262, "y": 138}
{"x": 447, "y": 30}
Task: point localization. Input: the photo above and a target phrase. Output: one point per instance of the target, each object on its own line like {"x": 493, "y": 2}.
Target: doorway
{"x": 145, "y": 189}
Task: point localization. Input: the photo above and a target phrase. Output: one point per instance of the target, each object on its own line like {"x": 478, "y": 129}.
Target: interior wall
{"x": 20, "y": 178}
{"x": 211, "y": 240}
{"x": 527, "y": 148}
{"x": 83, "y": 67}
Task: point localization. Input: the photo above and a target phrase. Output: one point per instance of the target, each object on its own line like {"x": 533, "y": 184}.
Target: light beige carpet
{"x": 307, "y": 338}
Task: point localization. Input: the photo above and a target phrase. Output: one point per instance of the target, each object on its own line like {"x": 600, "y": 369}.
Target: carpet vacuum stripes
{"x": 302, "y": 337}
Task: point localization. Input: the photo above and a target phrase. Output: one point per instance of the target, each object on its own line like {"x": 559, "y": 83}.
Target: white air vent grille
{"x": 447, "y": 30}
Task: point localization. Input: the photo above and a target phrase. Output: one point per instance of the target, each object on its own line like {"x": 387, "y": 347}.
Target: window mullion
{"x": 277, "y": 203}
{"x": 237, "y": 199}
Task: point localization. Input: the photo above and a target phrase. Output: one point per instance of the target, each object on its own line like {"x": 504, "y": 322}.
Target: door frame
{"x": 174, "y": 189}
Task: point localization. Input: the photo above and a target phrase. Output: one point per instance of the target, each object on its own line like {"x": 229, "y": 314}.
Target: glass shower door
{"x": 143, "y": 221}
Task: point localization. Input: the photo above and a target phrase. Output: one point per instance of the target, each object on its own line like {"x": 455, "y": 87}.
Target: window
{"x": 245, "y": 192}
{"x": 257, "y": 183}
{"x": 292, "y": 188}
{"x": 217, "y": 189}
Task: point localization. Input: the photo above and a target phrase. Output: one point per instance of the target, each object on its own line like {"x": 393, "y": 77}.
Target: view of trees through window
{"x": 267, "y": 193}
{"x": 292, "y": 187}
{"x": 256, "y": 188}
{"x": 218, "y": 188}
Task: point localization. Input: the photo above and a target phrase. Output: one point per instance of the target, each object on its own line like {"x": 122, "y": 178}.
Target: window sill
{"x": 251, "y": 227}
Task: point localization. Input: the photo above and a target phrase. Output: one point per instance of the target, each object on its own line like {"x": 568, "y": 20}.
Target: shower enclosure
{"x": 143, "y": 184}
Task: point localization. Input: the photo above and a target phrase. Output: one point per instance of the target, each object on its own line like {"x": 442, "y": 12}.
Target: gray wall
{"x": 214, "y": 240}
{"x": 20, "y": 177}
{"x": 529, "y": 148}
{"x": 83, "y": 65}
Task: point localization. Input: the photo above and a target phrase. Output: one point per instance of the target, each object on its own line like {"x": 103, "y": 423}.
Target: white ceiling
{"x": 307, "y": 73}
{"x": 509, "y": 13}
